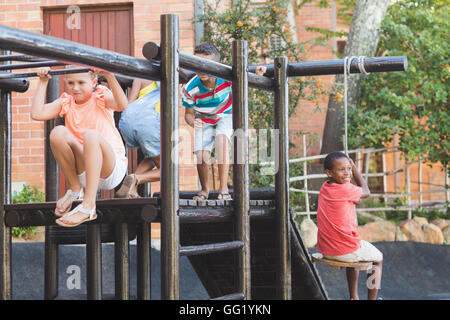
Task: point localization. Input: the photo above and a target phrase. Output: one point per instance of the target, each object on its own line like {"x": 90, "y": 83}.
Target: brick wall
{"x": 28, "y": 139}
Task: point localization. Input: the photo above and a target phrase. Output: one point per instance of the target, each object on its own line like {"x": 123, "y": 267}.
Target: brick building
{"x": 125, "y": 27}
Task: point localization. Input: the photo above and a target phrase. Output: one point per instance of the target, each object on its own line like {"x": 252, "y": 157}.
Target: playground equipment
{"x": 245, "y": 248}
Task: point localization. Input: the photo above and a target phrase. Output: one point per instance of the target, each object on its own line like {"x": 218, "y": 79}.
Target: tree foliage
{"x": 412, "y": 104}
{"x": 266, "y": 29}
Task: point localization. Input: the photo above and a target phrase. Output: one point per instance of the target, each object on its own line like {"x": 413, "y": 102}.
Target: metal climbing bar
{"x": 331, "y": 67}
{"x": 152, "y": 50}
{"x": 281, "y": 123}
{"x": 170, "y": 234}
{"x": 241, "y": 182}
{"x": 74, "y": 52}
{"x": 5, "y": 194}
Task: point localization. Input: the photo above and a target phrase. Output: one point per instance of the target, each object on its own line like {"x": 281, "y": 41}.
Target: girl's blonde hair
{"x": 73, "y": 66}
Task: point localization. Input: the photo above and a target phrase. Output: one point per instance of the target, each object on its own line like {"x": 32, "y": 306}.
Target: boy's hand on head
{"x": 260, "y": 70}
{"x": 43, "y": 73}
{"x": 351, "y": 161}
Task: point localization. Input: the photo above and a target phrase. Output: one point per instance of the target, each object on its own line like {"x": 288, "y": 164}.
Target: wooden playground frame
{"x": 168, "y": 208}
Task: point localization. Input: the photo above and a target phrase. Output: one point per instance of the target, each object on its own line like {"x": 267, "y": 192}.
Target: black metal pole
{"x": 143, "y": 263}
{"x": 151, "y": 50}
{"x": 74, "y": 52}
{"x": 19, "y": 57}
{"x": 281, "y": 121}
{"x": 5, "y": 195}
{"x": 18, "y": 85}
{"x": 30, "y": 74}
{"x": 94, "y": 262}
{"x": 170, "y": 235}
{"x": 121, "y": 262}
{"x": 328, "y": 67}
{"x": 48, "y": 63}
{"x": 241, "y": 195}
{"x": 51, "y": 194}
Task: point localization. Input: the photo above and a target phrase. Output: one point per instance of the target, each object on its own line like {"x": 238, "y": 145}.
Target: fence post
{"x": 383, "y": 160}
{"x": 281, "y": 122}
{"x": 420, "y": 181}
{"x": 240, "y": 163}
{"x": 408, "y": 189}
{"x": 170, "y": 235}
{"x": 305, "y": 174}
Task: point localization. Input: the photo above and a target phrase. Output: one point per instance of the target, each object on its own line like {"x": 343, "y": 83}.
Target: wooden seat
{"x": 360, "y": 265}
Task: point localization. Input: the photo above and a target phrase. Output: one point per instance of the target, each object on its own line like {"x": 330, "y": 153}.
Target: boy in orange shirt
{"x": 337, "y": 237}
{"x": 89, "y": 148}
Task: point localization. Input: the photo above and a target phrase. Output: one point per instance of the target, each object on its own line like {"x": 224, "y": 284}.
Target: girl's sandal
{"x": 92, "y": 216}
{"x": 74, "y": 196}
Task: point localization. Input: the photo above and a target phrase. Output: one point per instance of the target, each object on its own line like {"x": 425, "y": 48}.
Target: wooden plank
{"x": 360, "y": 265}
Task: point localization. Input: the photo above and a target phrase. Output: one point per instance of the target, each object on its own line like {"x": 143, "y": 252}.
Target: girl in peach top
{"x": 88, "y": 149}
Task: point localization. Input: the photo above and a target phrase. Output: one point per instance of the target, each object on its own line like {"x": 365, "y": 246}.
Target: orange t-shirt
{"x": 92, "y": 115}
{"x": 336, "y": 219}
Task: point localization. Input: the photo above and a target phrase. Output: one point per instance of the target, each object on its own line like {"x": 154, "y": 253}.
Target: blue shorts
{"x": 140, "y": 127}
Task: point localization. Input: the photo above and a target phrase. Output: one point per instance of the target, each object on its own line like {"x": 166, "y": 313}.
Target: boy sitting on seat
{"x": 337, "y": 237}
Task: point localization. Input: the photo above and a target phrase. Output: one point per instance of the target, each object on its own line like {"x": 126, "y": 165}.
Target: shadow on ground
{"x": 411, "y": 271}
{"x": 28, "y": 272}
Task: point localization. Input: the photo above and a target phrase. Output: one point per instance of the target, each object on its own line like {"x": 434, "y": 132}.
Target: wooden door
{"x": 106, "y": 27}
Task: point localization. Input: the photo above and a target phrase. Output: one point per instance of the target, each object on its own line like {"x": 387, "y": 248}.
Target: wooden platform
{"x": 360, "y": 265}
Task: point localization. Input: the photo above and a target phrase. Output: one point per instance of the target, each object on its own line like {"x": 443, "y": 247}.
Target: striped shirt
{"x": 209, "y": 104}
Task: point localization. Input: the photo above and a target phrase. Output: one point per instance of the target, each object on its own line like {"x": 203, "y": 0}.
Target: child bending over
{"x": 88, "y": 149}
{"x": 337, "y": 237}
{"x": 140, "y": 128}
{"x": 208, "y": 103}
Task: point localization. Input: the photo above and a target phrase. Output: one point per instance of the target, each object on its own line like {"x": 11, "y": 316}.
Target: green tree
{"x": 266, "y": 29}
{"x": 412, "y": 104}
{"x": 28, "y": 194}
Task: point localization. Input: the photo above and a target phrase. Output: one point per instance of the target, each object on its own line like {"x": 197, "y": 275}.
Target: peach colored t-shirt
{"x": 336, "y": 219}
{"x": 92, "y": 115}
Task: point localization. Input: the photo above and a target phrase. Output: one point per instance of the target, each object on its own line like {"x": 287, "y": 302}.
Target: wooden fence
{"x": 364, "y": 155}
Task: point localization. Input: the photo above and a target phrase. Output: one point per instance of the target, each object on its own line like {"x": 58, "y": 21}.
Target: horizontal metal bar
{"x": 197, "y": 64}
{"x": 30, "y": 74}
{"x": 20, "y": 57}
{"x": 329, "y": 67}
{"x": 48, "y": 63}
{"x": 232, "y": 296}
{"x": 210, "y": 248}
{"x": 17, "y": 85}
{"x": 77, "y": 53}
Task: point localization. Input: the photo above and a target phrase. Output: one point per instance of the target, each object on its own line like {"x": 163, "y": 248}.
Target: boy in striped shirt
{"x": 208, "y": 103}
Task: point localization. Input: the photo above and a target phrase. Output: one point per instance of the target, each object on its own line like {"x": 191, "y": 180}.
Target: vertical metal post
{"x": 121, "y": 262}
{"x": 281, "y": 122}
{"x": 5, "y": 195}
{"x": 170, "y": 237}
{"x": 51, "y": 194}
{"x": 143, "y": 275}
{"x": 240, "y": 163}
{"x": 94, "y": 262}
